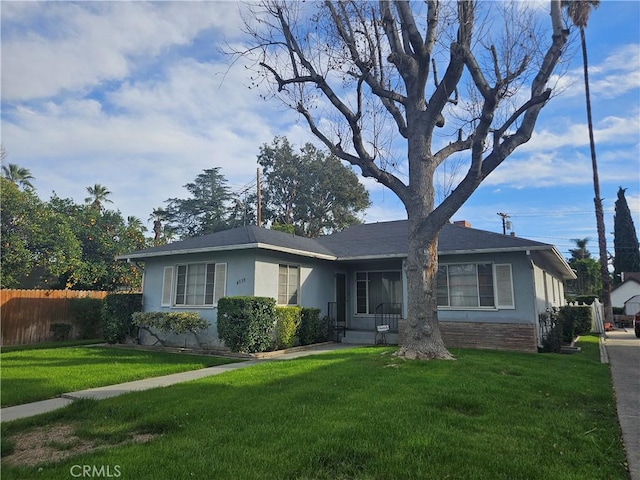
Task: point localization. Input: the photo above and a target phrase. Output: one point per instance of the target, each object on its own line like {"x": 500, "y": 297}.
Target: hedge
{"x": 245, "y": 324}
{"x": 87, "y": 316}
{"x": 288, "y": 321}
{"x": 313, "y": 329}
{"x": 116, "y": 315}
{"x": 175, "y": 322}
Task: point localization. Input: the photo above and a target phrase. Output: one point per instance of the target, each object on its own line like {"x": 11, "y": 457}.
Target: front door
{"x": 341, "y": 298}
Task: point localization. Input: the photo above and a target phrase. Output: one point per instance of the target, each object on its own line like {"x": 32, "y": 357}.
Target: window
{"x": 375, "y": 288}
{"x": 196, "y": 284}
{"x": 475, "y": 286}
{"x": 288, "y": 283}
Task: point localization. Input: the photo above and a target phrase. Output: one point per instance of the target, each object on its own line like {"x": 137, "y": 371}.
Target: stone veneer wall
{"x": 494, "y": 336}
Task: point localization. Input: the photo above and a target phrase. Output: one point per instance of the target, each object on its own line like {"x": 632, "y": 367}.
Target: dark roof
{"x": 391, "y": 239}
{"x": 237, "y": 239}
{"x": 383, "y": 239}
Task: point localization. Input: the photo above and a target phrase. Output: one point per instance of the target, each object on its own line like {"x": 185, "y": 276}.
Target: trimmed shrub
{"x": 117, "y": 310}
{"x": 313, "y": 329}
{"x": 552, "y": 343}
{"x": 175, "y": 322}
{"x": 577, "y": 320}
{"x": 287, "y": 322}
{"x": 60, "y": 331}
{"x": 87, "y": 316}
{"x": 245, "y": 324}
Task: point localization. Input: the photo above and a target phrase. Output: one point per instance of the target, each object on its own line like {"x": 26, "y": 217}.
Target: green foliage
{"x": 282, "y": 227}
{"x": 116, "y": 315}
{"x": 310, "y": 190}
{"x": 206, "y": 211}
{"x": 245, "y": 324}
{"x": 313, "y": 329}
{"x": 625, "y": 240}
{"x": 578, "y": 319}
{"x": 175, "y": 322}
{"x": 38, "y": 244}
{"x": 589, "y": 281}
{"x": 103, "y": 235}
{"x": 567, "y": 323}
{"x": 287, "y": 322}
{"x": 583, "y": 299}
{"x": 60, "y": 331}
{"x": 87, "y": 315}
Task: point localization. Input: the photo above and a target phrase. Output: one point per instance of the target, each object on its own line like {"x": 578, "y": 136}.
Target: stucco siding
{"x": 316, "y": 279}
{"x": 524, "y": 309}
{"x": 239, "y": 281}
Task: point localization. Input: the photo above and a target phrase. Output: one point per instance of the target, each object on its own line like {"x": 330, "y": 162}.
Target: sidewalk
{"x": 623, "y": 350}
{"x": 29, "y": 409}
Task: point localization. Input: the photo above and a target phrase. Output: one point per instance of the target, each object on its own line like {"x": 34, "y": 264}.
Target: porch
{"x": 380, "y": 328}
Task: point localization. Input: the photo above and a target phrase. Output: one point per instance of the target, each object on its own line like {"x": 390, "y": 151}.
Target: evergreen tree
{"x": 310, "y": 190}
{"x": 625, "y": 240}
{"x": 587, "y": 269}
{"x": 206, "y": 211}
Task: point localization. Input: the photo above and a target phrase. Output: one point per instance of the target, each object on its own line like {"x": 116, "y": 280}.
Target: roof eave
{"x": 225, "y": 248}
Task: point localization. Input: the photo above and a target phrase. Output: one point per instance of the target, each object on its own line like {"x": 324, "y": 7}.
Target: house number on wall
{"x": 242, "y": 280}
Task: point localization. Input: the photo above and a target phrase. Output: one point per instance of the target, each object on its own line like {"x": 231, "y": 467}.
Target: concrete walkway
{"x": 29, "y": 409}
{"x": 623, "y": 352}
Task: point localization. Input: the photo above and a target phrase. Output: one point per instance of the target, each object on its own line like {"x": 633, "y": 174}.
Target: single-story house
{"x": 492, "y": 289}
{"x": 630, "y": 287}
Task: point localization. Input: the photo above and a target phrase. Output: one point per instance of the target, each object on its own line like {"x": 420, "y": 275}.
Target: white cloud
{"x": 102, "y": 41}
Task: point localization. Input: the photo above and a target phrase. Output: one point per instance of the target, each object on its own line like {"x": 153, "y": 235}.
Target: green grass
{"x": 47, "y": 345}
{"x": 361, "y": 414}
{"x": 39, "y": 374}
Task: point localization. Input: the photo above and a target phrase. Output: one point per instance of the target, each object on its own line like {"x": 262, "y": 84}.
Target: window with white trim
{"x": 376, "y": 288}
{"x": 475, "y": 285}
{"x": 194, "y": 284}
{"x": 288, "y": 284}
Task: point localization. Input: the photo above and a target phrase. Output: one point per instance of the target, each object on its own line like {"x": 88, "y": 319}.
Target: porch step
{"x": 367, "y": 337}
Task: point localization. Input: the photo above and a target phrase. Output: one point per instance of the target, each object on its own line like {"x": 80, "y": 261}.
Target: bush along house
{"x": 492, "y": 289}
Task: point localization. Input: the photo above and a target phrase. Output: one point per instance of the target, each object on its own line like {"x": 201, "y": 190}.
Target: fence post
{"x": 597, "y": 313}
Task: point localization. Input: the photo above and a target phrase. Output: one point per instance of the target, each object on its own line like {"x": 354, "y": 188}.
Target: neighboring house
{"x": 632, "y": 306}
{"x": 630, "y": 287}
{"x": 492, "y": 288}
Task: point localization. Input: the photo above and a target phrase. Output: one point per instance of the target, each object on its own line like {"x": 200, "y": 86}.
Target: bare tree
{"x": 354, "y": 69}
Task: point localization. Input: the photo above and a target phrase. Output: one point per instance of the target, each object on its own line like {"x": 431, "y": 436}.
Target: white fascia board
{"x": 226, "y": 248}
{"x": 495, "y": 250}
{"x": 372, "y": 257}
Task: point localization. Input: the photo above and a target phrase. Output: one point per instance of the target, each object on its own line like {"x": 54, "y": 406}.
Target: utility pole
{"x": 504, "y": 221}
{"x": 259, "y": 213}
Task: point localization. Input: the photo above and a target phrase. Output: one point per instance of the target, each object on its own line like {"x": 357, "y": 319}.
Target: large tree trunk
{"x": 422, "y": 335}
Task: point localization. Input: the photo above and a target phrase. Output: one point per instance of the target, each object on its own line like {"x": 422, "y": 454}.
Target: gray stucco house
{"x": 492, "y": 288}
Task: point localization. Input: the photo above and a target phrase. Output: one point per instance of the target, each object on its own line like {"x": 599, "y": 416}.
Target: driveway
{"x": 623, "y": 349}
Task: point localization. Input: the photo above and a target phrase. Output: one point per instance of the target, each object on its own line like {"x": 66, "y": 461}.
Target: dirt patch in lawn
{"x": 53, "y": 443}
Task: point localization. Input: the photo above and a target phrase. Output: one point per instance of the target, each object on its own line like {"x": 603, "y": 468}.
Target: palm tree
{"x": 581, "y": 252}
{"x": 98, "y": 195}
{"x": 136, "y": 224}
{"x": 157, "y": 216}
{"x": 18, "y": 175}
{"x": 579, "y": 11}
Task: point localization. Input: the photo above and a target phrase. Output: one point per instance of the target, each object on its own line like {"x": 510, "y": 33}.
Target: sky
{"x": 138, "y": 97}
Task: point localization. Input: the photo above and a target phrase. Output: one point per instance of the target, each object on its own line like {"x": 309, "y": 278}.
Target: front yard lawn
{"x": 39, "y": 374}
{"x": 358, "y": 413}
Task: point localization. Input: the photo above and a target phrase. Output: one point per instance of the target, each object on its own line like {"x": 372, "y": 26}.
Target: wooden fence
{"x": 27, "y": 315}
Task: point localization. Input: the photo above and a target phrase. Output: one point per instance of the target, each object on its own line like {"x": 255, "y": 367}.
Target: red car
{"x": 636, "y": 324}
